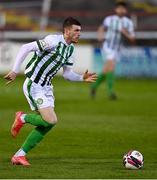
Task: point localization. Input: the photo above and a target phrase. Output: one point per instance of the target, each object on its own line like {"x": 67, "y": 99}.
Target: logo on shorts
{"x": 39, "y": 101}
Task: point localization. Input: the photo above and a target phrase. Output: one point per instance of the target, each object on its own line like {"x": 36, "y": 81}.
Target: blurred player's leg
{"x": 95, "y": 85}
{"x": 108, "y": 75}
{"x": 110, "y": 78}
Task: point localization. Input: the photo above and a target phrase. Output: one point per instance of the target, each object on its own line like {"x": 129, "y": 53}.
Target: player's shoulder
{"x": 53, "y": 37}
{"x": 107, "y": 20}
{"x": 128, "y": 19}
{"x": 110, "y": 17}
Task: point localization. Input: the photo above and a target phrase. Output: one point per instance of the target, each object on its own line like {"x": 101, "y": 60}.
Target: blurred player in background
{"x": 50, "y": 54}
{"x": 117, "y": 27}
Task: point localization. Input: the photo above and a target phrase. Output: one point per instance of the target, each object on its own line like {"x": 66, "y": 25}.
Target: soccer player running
{"x": 117, "y": 27}
{"x": 50, "y": 54}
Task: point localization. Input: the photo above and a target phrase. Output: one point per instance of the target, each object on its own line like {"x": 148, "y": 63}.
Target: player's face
{"x": 121, "y": 11}
{"x": 73, "y": 33}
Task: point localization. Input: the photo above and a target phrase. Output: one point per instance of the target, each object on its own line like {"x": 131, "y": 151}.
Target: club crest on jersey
{"x": 43, "y": 44}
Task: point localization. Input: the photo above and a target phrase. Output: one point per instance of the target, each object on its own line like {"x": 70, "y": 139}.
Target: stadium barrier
{"x": 86, "y": 35}
{"x": 133, "y": 62}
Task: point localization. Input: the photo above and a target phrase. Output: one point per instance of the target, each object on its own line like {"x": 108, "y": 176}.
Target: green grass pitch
{"x": 91, "y": 135}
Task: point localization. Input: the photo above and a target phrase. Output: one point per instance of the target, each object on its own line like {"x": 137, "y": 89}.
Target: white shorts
{"x": 37, "y": 96}
{"x": 109, "y": 54}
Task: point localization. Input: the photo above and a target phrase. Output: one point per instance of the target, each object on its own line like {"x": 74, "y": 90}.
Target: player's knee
{"x": 54, "y": 120}
{"x": 110, "y": 68}
{"x": 51, "y": 120}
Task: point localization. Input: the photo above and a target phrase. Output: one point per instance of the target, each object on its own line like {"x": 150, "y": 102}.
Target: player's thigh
{"x": 109, "y": 65}
{"x": 45, "y": 104}
{"x": 48, "y": 114}
{"x": 39, "y": 97}
{"x": 109, "y": 57}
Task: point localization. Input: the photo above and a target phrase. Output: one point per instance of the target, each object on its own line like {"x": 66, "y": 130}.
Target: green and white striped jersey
{"x": 53, "y": 54}
{"x": 113, "y": 24}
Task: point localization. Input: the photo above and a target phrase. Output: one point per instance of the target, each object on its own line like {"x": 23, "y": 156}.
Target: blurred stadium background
{"x": 91, "y": 136}
{"x": 24, "y": 21}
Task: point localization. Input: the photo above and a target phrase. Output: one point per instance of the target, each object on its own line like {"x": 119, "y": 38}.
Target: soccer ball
{"x": 133, "y": 160}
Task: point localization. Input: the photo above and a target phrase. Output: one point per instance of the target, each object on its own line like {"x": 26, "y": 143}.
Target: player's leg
{"x": 101, "y": 75}
{"x": 109, "y": 69}
{"x": 43, "y": 121}
{"x": 21, "y": 118}
{"x": 38, "y": 98}
{"x": 107, "y": 74}
{"x": 96, "y": 84}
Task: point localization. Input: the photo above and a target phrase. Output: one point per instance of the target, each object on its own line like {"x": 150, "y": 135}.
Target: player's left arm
{"x": 129, "y": 36}
{"x": 129, "y": 32}
{"x": 69, "y": 74}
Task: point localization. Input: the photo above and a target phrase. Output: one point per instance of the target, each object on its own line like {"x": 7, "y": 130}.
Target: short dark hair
{"x": 70, "y": 21}
{"x": 122, "y": 3}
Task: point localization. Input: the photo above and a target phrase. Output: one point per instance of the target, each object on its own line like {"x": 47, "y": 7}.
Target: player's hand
{"x": 89, "y": 77}
{"x": 124, "y": 31}
{"x": 10, "y": 77}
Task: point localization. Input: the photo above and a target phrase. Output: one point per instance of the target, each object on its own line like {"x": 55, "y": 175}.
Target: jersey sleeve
{"x": 47, "y": 43}
{"x": 131, "y": 28}
{"x": 70, "y": 61}
{"x": 69, "y": 74}
{"x": 22, "y": 54}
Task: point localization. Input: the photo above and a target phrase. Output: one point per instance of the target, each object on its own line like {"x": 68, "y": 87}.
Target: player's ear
{"x": 67, "y": 30}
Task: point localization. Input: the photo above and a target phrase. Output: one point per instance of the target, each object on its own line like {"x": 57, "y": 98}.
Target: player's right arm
{"x": 101, "y": 29}
{"x": 23, "y": 52}
{"x": 129, "y": 32}
{"x": 39, "y": 45}
{"x": 101, "y": 32}
{"x": 128, "y": 35}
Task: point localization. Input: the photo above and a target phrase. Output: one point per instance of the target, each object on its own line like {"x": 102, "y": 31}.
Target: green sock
{"x": 36, "y": 120}
{"x": 99, "y": 80}
{"x": 35, "y": 137}
{"x": 110, "y": 82}
{"x": 38, "y": 133}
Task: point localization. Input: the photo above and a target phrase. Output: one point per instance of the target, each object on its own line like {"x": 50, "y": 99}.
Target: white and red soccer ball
{"x": 133, "y": 160}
